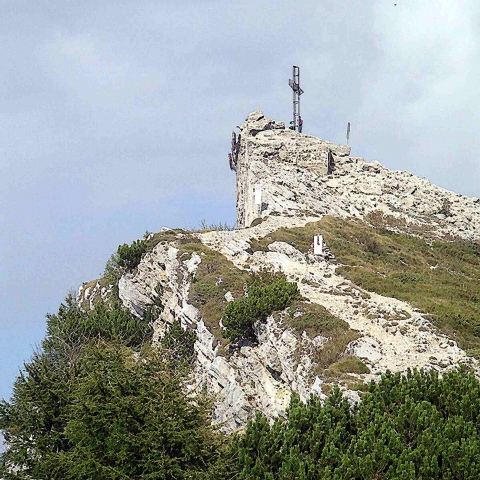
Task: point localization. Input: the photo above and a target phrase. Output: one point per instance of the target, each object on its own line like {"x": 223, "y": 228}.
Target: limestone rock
{"x": 291, "y": 169}
{"x": 367, "y": 349}
{"x": 297, "y": 188}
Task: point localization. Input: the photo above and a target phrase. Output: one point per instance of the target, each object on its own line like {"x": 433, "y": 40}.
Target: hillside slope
{"x": 395, "y": 286}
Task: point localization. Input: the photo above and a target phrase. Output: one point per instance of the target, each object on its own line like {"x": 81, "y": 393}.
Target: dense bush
{"x": 241, "y": 314}
{"x": 129, "y": 418}
{"x": 129, "y": 256}
{"x": 71, "y": 328}
{"x": 96, "y": 402}
{"x": 179, "y": 344}
{"x": 418, "y": 426}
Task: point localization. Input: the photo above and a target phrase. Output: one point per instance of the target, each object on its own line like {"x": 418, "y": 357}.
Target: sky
{"x": 116, "y": 116}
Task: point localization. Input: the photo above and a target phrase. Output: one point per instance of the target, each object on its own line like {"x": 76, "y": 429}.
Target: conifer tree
{"x": 413, "y": 426}
{"x": 97, "y": 402}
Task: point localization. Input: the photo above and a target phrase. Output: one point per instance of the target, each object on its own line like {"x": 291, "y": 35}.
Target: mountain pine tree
{"x": 405, "y": 427}
{"x": 97, "y": 403}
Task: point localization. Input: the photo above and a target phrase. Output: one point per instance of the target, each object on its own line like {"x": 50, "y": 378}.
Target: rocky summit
{"x": 359, "y": 240}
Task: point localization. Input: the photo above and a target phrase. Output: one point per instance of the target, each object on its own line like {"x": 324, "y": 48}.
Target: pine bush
{"x": 413, "y": 426}
{"x": 240, "y": 315}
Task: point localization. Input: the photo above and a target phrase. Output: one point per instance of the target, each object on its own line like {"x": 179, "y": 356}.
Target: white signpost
{"x": 318, "y": 245}
{"x": 258, "y": 194}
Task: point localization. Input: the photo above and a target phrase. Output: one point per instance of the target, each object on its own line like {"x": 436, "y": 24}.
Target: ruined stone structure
{"x": 266, "y": 145}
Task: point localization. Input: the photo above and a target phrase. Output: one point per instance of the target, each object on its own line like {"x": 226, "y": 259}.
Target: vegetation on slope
{"x": 440, "y": 277}
{"x": 241, "y": 314}
{"x": 267, "y": 292}
{"x": 418, "y": 426}
{"x": 314, "y": 320}
{"x": 97, "y": 402}
{"x": 215, "y": 276}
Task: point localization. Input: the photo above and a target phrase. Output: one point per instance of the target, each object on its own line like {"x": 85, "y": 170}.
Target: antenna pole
{"x": 297, "y": 91}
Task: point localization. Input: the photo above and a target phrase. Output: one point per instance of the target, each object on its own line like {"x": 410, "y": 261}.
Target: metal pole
{"x": 297, "y": 91}
{"x": 298, "y": 96}
{"x": 294, "y": 99}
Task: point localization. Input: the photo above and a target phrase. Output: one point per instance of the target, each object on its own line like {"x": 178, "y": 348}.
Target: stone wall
{"x": 267, "y": 146}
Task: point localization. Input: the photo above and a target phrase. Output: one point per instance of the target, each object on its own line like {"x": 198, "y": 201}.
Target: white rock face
{"x": 265, "y": 150}
{"x": 292, "y": 170}
{"x": 291, "y": 167}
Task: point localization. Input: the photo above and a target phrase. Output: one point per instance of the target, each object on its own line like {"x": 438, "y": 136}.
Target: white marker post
{"x": 318, "y": 245}
{"x": 258, "y": 194}
{"x": 258, "y": 199}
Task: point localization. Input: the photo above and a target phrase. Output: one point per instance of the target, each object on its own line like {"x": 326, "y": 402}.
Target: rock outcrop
{"x": 291, "y": 169}
{"x": 300, "y": 185}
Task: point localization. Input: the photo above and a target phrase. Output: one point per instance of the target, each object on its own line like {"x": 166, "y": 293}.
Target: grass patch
{"x": 379, "y": 219}
{"x": 436, "y": 276}
{"x": 165, "y": 236}
{"x": 257, "y": 221}
{"x": 314, "y": 320}
{"x": 300, "y": 237}
{"x": 400, "y": 266}
{"x": 349, "y": 364}
{"x": 215, "y": 276}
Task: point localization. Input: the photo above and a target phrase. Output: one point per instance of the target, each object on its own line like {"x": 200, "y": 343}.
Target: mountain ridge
{"x": 306, "y": 187}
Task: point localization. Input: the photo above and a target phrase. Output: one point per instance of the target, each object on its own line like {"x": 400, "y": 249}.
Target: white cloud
{"x": 100, "y": 72}
{"x": 421, "y": 105}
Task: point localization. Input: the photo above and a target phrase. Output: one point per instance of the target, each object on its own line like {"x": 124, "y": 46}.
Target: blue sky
{"x": 116, "y": 118}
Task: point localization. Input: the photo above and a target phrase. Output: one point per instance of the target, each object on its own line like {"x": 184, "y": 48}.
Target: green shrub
{"x": 71, "y": 328}
{"x": 405, "y": 427}
{"x": 240, "y": 315}
{"x": 129, "y": 256}
{"x": 179, "y": 344}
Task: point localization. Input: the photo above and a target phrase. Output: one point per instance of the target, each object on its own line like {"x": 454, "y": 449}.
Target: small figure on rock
{"x": 233, "y": 156}
{"x": 236, "y": 147}
{"x": 300, "y": 124}
{"x": 330, "y": 162}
